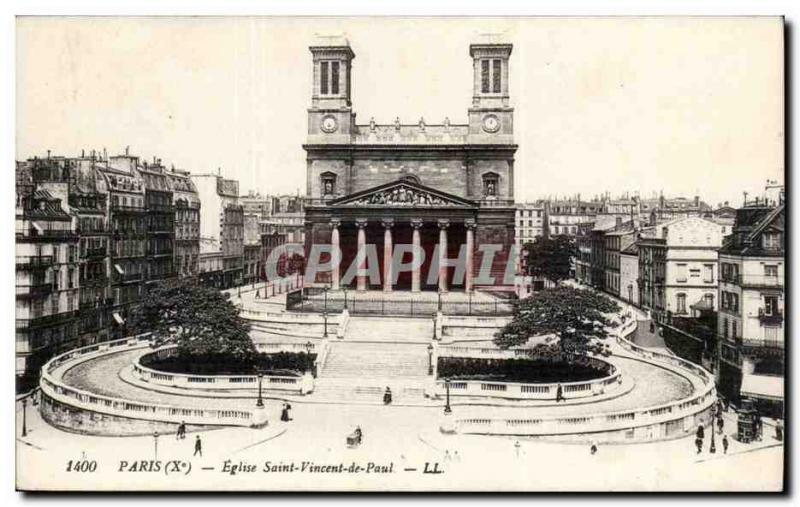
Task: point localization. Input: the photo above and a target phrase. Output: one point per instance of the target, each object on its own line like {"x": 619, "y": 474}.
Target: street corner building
{"x": 424, "y": 184}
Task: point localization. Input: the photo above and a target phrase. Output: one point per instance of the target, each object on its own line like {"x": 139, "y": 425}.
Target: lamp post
{"x": 430, "y": 359}
{"x": 325, "y": 292}
{"x": 447, "y": 408}
{"x": 24, "y": 419}
{"x": 325, "y": 323}
{"x": 439, "y": 299}
{"x": 344, "y": 290}
{"x": 260, "y": 400}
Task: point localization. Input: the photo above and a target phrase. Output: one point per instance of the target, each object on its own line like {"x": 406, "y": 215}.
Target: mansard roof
{"x": 402, "y": 193}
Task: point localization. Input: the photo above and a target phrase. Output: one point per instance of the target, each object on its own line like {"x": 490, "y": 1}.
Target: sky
{"x": 684, "y": 105}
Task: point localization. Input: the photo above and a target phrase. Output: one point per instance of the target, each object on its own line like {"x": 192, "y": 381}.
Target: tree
{"x": 549, "y": 258}
{"x": 575, "y": 316}
{"x": 202, "y": 321}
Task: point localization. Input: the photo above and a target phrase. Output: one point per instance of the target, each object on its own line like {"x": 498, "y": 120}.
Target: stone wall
{"x": 92, "y": 423}
{"x": 454, "y": 175}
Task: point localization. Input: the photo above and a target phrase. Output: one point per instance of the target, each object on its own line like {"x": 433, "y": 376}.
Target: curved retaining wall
{"x": 524, "y": 391}
{"x": 59, "y": 397}
{"x": 666, "y": 421}
{"x": 301, "y": 384}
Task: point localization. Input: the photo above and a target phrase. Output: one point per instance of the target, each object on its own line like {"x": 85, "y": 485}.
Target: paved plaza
{"x": 402, "y": 436}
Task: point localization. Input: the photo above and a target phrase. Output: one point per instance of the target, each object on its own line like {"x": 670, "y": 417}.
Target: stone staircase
{"x": 390, "y": 329}
{"x": 361, "y": 371}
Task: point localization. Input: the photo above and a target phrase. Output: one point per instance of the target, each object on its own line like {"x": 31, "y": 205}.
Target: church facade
{"x": 443, "y": 188}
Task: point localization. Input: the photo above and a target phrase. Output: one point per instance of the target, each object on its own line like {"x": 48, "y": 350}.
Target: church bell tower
{"x": 491, "y": 119}
{"x": 330, "y": 117}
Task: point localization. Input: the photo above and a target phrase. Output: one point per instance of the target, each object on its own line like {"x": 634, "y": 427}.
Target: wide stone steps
{"x": 370, "y": 360}
{"x": 409, "y": 330}
{"x": 368, "y": 390}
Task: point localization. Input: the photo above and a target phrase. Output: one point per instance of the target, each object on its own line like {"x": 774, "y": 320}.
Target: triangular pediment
{"x": 402, "y": 194}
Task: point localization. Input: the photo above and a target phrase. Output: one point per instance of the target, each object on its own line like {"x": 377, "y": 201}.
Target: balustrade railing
{"x": 55, "y": 390}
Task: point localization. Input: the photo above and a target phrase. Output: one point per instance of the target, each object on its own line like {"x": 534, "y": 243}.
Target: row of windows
{"x": 694, "y": 273}
{"x": 529, "y": 213}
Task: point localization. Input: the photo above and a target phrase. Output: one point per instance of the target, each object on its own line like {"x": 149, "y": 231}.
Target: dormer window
{"x": 772, "y": 240}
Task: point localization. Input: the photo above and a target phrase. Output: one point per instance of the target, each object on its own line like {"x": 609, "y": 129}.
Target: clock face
{"x": 491, "y": 123}
{"x": 329, "y": 124}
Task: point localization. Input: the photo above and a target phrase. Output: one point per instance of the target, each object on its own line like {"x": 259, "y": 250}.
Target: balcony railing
{"x": 47, "y": 320}
{"x": 759, "y": 281}
{"x": 36, "y": 290}
{"x": 31, "y": 262}
{"x": 131, "y": 277}
{"x": 52, "y": 233}
{"x": 766, "y": 344}
{"x": 161, "y": 207}
{"x": 775, "y": 318}
{"x": 121, "y": 208}
{"x": 94, "y": 253}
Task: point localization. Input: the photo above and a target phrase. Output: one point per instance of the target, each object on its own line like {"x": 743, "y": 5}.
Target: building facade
{"x": 629, "y": 274}
{"x": 129, "y": 236}
{"x": 47, "y": 278}
{"x": 752, "y": 307}
{"x": 186, "y": 204}
{"x": 428, "y": 185}
{"x": 531, "y": 222}
{"x": 678, "y": 267}
{"x": 221, "y": 230}
{"x": 158, "y": 199}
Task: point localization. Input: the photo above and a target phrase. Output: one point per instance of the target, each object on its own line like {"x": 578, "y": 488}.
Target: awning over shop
{"x": 119, "y": 269}
{"x": 762, "y": 386}
{"x": 118, "y": 319}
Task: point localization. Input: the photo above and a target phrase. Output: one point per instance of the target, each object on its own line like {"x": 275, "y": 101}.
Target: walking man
{"x": 698, "y": 441}
{"x": 724, "y": 444}
{"x": 198, "y": 447}
{"x": 559, "y": 393}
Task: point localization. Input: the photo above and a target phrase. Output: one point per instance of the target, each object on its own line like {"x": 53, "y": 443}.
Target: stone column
{"x": 387, "y": 254}
{"x": 416, "y": 224}
{"x": 470, "y": 224}
{"x": 443, "y": 225}
{"x": 361, "y": 255}
{"x": 336, "y": 253}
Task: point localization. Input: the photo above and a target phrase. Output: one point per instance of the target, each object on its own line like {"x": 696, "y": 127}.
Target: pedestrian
{"x": 198, "y": 447}
{"x": 516, "y": 448}
{"x": 593, "y": 449}
{"x": 724, "y": 444}
{"x": 779, "y": 430}
{"x": 285, "y": 413}
{"x": 701, "y": 434}
{"x": 698, "y": 442}
{"x": 446, "y": 455}
{"x": 258, "y": 294}
{"x": 559, "y": 393}
{"x": 758, "y": 426}
{"x": 720, "y": 423}
{"x": 456, "y": 457}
